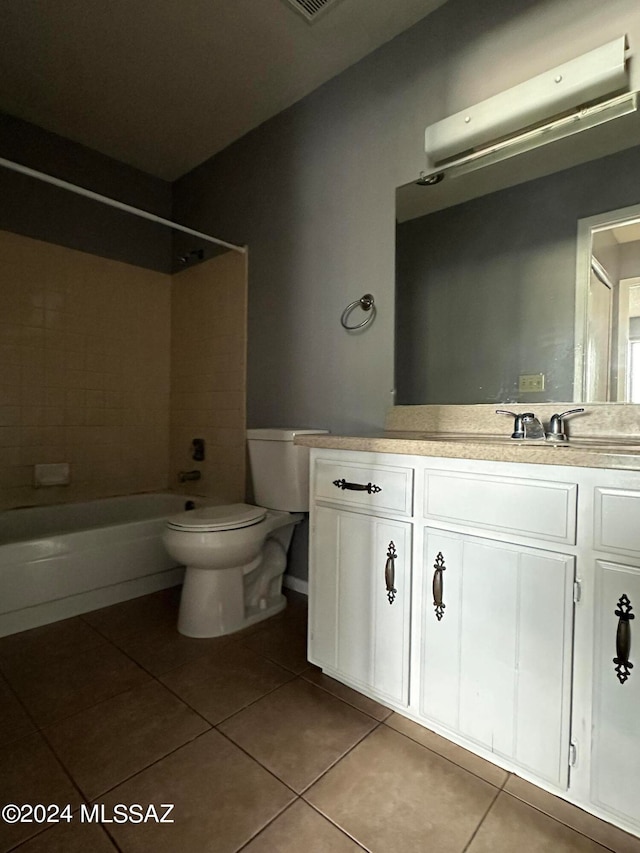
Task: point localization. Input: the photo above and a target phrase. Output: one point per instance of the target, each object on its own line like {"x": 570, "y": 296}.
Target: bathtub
{"x": 63, "y": 560}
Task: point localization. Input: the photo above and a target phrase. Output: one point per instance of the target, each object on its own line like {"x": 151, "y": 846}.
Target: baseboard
{"x": 296, "y": 584}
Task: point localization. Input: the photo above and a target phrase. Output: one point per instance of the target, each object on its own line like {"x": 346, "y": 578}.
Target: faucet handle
{"x": 518, "y": 427}
{"x": 556, "y": 431}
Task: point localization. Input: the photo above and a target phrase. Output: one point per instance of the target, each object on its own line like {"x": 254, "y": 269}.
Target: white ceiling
{"x": 165, "y": 84}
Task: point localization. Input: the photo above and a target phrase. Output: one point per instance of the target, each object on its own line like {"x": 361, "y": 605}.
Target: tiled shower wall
{"x": 84, "y": 372}
{"x": 208, "y": 370}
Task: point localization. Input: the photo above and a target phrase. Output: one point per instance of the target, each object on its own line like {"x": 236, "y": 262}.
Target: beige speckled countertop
{"x": 596, "y": 452}
{"x": 604, "y": 435}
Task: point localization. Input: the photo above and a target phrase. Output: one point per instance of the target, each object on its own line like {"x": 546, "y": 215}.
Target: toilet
{"x": 235, "y": 555}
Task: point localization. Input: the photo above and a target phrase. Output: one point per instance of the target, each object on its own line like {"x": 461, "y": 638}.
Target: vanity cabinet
{"x": 615, "y": 754}
{"x": 359, "y": 625}
{"x": 615, "y": 777}
{"x": 360, "y": 584}
{"x": 496, "y": 643}
{"x": 496, "y": 648}
{"x": 493, "y": 603}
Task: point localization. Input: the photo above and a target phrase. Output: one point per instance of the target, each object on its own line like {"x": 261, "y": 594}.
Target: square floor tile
{"x": 138, "y": 615}
{"x": 298, "y": 731}
{"x": 351, "y": 697}
{"x": 223, "y": 682}
{"x": 54, "y": 687}
{"x": 31, "y": 774}
{"x": 302, "y": 828}
{"x": 108, "y": 743}
{"x": 394, "y": 796}
{"x": 14, "y": 721}
{"x": 73, "y": 837}
{"x": 282, "y": 641}
{"x": 447, "y": 749}
{"x": 604, "y": 833}
{"x": 161, "y": 648}
{"x": 222, "y": 799}
{"x": 513, "y": 825}
{"x": 51, "y": 641}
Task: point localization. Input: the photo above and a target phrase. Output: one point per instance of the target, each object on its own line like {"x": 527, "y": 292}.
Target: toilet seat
{"x": 212, "y": 519}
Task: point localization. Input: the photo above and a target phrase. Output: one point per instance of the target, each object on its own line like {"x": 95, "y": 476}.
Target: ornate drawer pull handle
{"x": 358, "y": 487}
{"x": 438, "y": 586}
{"x": 623, "y": 638}
{"x": 390, "y": 572}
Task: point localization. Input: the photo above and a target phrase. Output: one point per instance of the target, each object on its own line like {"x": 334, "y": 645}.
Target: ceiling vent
{"x": 311, "y": 10}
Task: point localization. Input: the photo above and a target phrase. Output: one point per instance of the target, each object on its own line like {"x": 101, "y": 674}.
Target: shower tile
{"x": 105, "y": 745}
{"x": 298, "y": 731}
{"x": 10, "y": 395}
{"x": 9, "y": 436}
{"x": 9, "y": 416}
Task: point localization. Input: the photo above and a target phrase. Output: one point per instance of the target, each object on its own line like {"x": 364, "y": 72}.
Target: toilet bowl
{"x": 235, "y": 555}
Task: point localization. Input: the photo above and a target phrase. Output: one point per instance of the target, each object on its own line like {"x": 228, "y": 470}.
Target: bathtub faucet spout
{"x": 183, "y": 476}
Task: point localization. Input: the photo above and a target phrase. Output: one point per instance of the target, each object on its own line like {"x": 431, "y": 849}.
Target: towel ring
{"x": 367, "y": 303}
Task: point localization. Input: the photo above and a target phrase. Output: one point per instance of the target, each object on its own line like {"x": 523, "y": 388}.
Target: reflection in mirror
{"x": 608, "y": 272}
{"x": 486, "y": 296}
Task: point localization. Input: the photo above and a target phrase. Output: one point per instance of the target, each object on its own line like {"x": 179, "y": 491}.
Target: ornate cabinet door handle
{"x": 623, "y": 638}
{"x": 438, "y": 586}
{"x": 390, "y": 572}
{"x": 358, "y": 487}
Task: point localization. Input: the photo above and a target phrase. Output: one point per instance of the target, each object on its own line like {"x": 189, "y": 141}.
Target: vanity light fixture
{"x": 552, "y": 105}
{"x": 553, "y": 131}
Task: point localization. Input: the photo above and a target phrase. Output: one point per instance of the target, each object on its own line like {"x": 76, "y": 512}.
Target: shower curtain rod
{"x": 112, "y": 202}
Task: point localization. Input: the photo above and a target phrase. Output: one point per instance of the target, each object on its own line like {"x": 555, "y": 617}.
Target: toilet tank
{"x": 280, "y": 468}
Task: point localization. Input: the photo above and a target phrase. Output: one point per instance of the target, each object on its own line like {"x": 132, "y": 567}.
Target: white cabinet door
{"x": 496, "y": 656}
{"x": 615, "y": 769}
{"x": 360, "y": 596}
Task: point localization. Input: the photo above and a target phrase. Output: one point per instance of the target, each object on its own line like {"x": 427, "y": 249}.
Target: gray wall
{"x": 312, "y": 194}
{"x": 45, "y": 212}
{"x": 486, "y": 290}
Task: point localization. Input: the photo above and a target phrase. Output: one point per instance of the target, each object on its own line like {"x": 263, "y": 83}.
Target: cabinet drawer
{"x": 374, "y": 487}
{"x": 537, "y": 509}
{"x": 617, "y": 521}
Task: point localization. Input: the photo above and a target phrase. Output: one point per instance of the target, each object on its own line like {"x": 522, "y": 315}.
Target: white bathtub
{"x": 59, "y": 561}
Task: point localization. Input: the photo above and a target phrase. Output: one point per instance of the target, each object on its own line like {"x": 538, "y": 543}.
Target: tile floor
{"x": 257, "y": 750}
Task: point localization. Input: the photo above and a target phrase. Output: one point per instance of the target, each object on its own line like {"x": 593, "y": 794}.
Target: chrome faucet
{"x": 556, "y": 426}
{"x": 525, "y": 426}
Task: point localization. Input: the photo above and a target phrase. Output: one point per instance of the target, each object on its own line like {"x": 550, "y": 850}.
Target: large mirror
{"x": 520, "y": 282}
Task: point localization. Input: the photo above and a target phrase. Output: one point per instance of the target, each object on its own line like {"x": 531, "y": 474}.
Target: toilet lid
{"x": 208, "y": 519}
